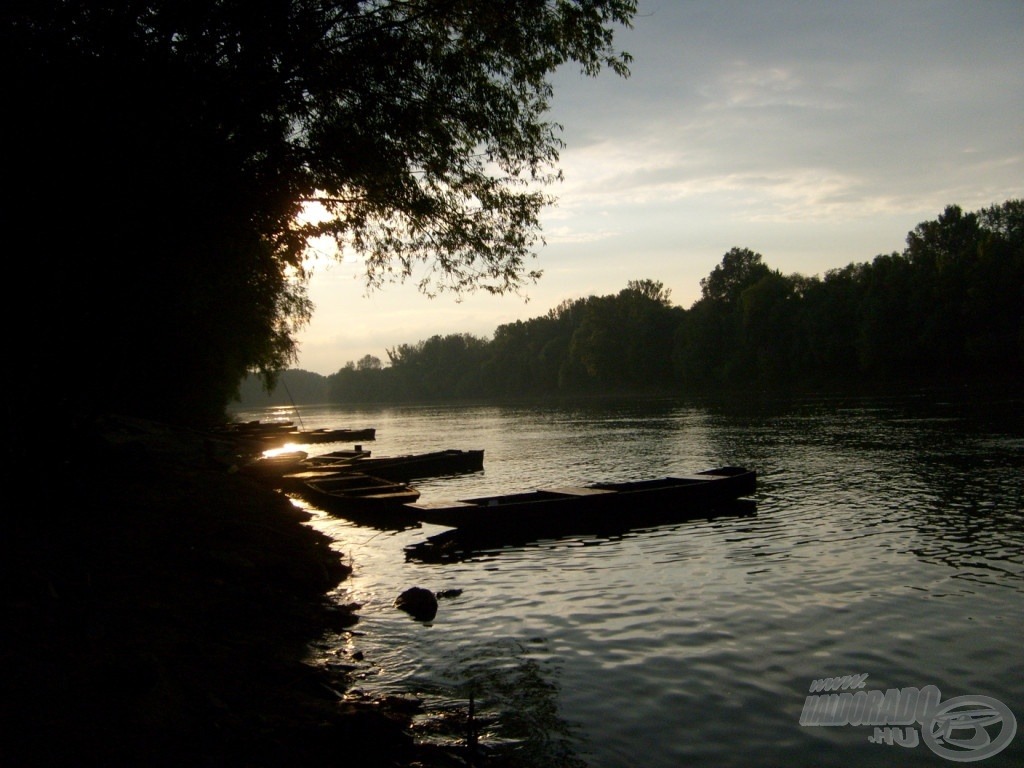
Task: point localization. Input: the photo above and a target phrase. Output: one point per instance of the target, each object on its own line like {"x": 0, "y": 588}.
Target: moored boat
{"x": 451, "y": 545}
{"x": 408, "y": 467}
{"x": 355, "y": 493}
{"x": 665, "y": 498}
{"x": 263, "y": 436}
{"x": 314, "y": 436}
{"x": 341, "y": 456}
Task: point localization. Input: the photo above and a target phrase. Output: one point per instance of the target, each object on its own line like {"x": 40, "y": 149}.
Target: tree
{"x": 653, "y": 290}
{"x": 368, "y": 363}
{"x": 996, "y": 300}
{"x": 740, "y": 269}
{"x": 769, "y": 326}
{"x": 162, "y": 153}
{"x": 830, "y": 322}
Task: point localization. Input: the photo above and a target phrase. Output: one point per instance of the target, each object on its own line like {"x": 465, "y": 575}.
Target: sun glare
{"x": 284, "y": 449}
{"x": 321, "y": 252}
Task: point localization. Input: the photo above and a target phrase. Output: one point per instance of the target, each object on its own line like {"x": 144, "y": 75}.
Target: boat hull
{"x": 361, "y": 498}
{"x": 315, "y": 436}
{"x": 452, "y": 545}
{"x": 263, "y": 436}
{"x": 409, "y": 467}
{"x": 666, "y": 498}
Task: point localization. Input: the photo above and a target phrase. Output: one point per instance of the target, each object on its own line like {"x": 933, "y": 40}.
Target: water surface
{"x": 887, "y": 539}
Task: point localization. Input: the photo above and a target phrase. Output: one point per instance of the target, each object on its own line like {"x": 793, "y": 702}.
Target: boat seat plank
{"x": 576, "y": 491}
{"x": 441, "y": 504}
{"x": 311, "y": 474}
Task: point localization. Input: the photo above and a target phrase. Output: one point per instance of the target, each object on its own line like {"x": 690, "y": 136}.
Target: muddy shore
{"x": 159, "y": 609}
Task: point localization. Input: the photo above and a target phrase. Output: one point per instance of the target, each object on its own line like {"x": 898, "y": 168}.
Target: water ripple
{"x": 888, "y": 539}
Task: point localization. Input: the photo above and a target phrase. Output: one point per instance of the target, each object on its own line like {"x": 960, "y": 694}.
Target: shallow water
{"x": 888, "y": 539}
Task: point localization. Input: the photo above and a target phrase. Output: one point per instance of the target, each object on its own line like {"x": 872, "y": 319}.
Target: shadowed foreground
{"x": 159, "y": 608}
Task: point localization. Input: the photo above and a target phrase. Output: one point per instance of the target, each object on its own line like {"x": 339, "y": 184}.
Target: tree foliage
{"x": 164, "y": 150}
{"x": 740, "y": 269}
{"x": 949, "y": 308}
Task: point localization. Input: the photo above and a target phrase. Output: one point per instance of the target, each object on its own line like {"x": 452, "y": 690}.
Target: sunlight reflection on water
{"x": 887, "y": 539}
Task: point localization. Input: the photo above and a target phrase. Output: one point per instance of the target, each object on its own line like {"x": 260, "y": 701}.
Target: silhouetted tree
{"x": 368, "y": 363}
{"x": 769, "y": 334}
{"x": 159, "y": 154}
{"x": 949, "y": 307}
{"x": 740, "y": 269}
{"x": 829, "y": 324}
{"x": 995, "y": 310}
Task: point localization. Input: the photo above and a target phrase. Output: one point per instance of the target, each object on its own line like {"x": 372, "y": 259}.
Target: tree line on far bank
{"x": 950, "y": 307}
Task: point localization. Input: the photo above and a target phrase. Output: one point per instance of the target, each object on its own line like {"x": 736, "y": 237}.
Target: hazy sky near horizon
{"x": 815, "y": 133}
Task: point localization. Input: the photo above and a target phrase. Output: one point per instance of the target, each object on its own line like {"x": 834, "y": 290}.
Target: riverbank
{"x": 159, "y": 609}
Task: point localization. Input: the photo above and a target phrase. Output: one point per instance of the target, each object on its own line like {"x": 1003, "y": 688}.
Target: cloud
{"x": 815, "y": 133}
{"x": 563, "y": 235}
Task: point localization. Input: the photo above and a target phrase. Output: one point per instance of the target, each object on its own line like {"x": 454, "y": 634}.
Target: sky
{"x": 817, "y": 134}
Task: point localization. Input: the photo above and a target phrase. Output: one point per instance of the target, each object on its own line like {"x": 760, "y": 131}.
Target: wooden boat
{"x": 453, "y": 545}
{"x": 660, "y": 499}
{"x": 263, "y": 436}
{"x": 405, "y": 468}
{"x": 341, "y": 456}
{"x": 356, "y": 493}
{"x": 256, "y": 427}
{"x": 314, "y": 436}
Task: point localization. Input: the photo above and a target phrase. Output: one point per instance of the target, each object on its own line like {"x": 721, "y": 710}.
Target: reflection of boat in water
{"x": 629, "y": 503}
{"x": 459, "y": 544}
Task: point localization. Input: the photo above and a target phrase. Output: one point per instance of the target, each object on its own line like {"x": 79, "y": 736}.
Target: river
{"x": 887, "y": 540}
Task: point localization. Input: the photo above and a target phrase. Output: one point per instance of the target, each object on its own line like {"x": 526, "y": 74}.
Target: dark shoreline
{"x": 159, "y": 610}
